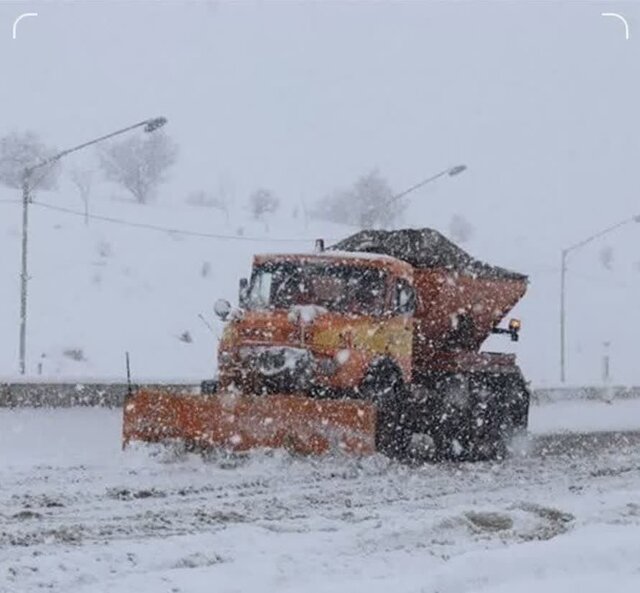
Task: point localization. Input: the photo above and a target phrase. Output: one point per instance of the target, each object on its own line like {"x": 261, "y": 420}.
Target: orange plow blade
{"x": 243, "y": 422}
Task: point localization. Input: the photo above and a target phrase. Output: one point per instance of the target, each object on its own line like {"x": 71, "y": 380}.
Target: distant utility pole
{"x": 563, "y": 285}
{"x": 149, "y": 125}
{"x": 24, "y": 274}
{"x": 606, "y": 363}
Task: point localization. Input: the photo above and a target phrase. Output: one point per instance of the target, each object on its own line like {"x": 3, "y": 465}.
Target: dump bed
{"x": 452, "y": 304}
{"x": 456, "y": 293}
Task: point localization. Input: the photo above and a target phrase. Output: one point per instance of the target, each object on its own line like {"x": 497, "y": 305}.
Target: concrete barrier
{"x": 64, "y": 395}
{"x": 554, "y": 394}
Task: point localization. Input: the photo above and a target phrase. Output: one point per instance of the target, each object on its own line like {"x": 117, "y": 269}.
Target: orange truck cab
{"x": 397, "y": 315}
{"x": 315, "y": 323}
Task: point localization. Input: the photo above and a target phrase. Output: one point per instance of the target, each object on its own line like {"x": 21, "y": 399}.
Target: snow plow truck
{"x": 372, "y": 344}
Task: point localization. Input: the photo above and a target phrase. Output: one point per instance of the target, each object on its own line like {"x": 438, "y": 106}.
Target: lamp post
{"x": 149, "y": 125}
{"x": 563, "y": 284}
{"x": 451, "y": 172}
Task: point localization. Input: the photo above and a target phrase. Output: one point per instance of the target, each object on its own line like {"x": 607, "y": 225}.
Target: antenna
{"x": 209, "y": 326}
{"x": 129, "y": 386}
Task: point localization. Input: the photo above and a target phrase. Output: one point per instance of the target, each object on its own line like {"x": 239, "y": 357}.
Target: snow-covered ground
{"x": 79, "y": 515}
{"x": 580, "y": 416}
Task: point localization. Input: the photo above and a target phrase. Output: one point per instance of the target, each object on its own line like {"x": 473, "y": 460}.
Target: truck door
{"x": 401, "y": 322}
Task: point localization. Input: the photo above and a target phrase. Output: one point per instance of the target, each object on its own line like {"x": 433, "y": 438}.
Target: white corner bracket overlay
{"x": 619, "y": 16}
{"x": 22, "y": 16}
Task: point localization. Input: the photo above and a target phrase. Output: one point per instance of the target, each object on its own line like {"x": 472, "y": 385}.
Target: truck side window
{"x": 405, "y": 299}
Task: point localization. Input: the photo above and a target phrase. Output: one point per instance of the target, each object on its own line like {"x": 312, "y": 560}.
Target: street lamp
{"x": 451, "y": 172}
{"x": 370, "y": 214}
{"x": 563, "y": 281}
{"x": 149, "y": 125}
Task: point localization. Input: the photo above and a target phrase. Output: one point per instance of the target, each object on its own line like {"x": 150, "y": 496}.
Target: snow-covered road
{"x": 78, "y": 515}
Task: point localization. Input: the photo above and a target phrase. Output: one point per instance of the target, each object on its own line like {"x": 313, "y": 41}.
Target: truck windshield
{"x": 336, "y": 287}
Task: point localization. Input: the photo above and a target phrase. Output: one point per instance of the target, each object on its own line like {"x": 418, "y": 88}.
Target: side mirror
{"x": 222, "y": 308}
{"x": 243, "y": 292}
{"x": 514, "y": 329}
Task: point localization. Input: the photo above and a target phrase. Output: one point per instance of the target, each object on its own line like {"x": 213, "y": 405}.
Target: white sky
{"x": 538, "y": 99}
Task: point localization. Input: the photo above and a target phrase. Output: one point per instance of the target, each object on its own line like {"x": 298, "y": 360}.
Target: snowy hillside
{"x": 97, "y": 291}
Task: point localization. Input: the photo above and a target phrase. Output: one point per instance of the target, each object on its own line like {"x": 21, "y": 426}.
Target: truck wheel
{"x": 470, "y": 419}
{"x": 452, "y": 418}
{"x": 383, "y": 386}
{"x": 504, "y": 415}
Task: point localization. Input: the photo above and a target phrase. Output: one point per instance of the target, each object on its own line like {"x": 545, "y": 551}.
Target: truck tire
{"x": 498, "y": 418}
{"x": 474, "y": 416}
{"x": 383, "y": 385}
{"x": 451, "y": 418}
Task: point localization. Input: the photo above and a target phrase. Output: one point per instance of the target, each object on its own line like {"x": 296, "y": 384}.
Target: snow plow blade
{"x": 243, "y": 422}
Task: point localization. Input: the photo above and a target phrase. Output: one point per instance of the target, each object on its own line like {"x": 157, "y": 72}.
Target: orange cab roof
{"x": 369, "y": 260}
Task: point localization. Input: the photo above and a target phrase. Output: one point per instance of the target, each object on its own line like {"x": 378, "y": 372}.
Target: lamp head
{"x": 153, "y": 124}
{"x": 457, "y": 170}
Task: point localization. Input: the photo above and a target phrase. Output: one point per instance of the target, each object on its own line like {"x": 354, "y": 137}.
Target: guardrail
{"x": 555, "y": 394}
{"x": 65, "y": 395}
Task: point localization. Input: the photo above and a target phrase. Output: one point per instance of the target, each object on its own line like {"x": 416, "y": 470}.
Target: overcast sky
{"x": 540, "y": 100}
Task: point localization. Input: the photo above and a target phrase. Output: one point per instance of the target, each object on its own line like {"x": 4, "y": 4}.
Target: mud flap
{"x": 242, "y": 422}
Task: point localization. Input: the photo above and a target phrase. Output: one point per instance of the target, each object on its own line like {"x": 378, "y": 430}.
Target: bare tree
{"x": 460, "y": 229}
{"x": 262, "y": 202}
{"x": 139, "y": 164}
{"x": 372, "y": 198}
{"x": 83, "y": 180}
{"x": 21, "y": 150}
{"x": 368, "y": 203}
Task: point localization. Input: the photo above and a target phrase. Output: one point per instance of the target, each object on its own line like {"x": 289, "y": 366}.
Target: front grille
{"x": 273, "y": 369}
